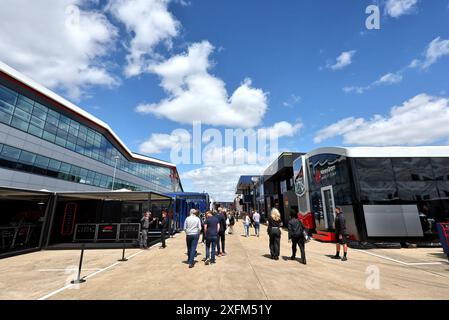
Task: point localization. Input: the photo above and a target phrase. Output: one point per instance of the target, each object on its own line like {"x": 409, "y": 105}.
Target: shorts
{"x": 343, "y": 240}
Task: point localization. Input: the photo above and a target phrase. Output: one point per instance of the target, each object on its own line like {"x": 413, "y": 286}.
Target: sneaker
{"x": 190, "y": 266}
{"x": 207, "y": 262}
{"x": 224, "y": 253}
{"x": 212, "y": 262}
{"x": 344, "y": 258}
{"x": 336, "y": 257}
{"x": 292, "y": 258}
{"x": 303, "y": 261}
{"x": 276, "y": 258}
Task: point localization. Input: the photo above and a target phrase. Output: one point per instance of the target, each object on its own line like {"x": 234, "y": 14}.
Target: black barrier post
{"x": 79, "y": 279}
{"x": 123, "y": 253}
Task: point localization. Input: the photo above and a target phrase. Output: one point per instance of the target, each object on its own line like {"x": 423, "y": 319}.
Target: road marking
{"x": 95, "y": 273}
{"x": 67, "y": 269}
{"x": 86, "y": 277}
{"x": 400, "y": 262}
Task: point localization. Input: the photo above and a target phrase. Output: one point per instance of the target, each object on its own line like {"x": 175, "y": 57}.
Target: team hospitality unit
{"x": 211, "y": 228}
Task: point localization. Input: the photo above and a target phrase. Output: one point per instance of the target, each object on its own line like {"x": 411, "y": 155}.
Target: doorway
{"x": 327, "y": 195}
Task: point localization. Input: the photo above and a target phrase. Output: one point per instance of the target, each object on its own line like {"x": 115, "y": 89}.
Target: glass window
{"x": 412, "y": 169}
{"x": 5, "y": 117}
{"x": 27, "y": 157}
{"x": 25, "y": 104}
{"x": 54, "y": 165}
{"x": 41, "y": 162}
{"x": 377, "y": 191}
{"x": 49, "y": 136}
{"x": 417, "y": 190}
{"x": 374, "y": 169}
{"x": 8, "y": 95}
{"x": 35, "y": 131}
{"x": 37, "y": 122}
{"x": 39, "y": 112}
{"x": 65, "y": 167}
{"x": 53, "y": 113}
{"x": 60, "y": 141}
{"x": 10, "y": 153}
{"x": 441, "y": 168}
{"x": 19, "y": 123}
{"x": 52, "y": 120}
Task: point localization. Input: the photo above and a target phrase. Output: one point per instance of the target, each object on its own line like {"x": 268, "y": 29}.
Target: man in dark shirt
{"x": 341, "y": 236}
{"x": 211, "y": 229}
{"x": 163, "y": 224}
{"x": 221, "y": 233}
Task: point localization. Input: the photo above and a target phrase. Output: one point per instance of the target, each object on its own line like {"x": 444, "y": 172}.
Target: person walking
{"x": 212, "y": 227}
{"x": 274, "y": 232}
{"x": 296, "y": 236}
{"x": 246, "y": 223}
{"x": 256, "y": 219}
{"x": 341, "y": 236}
{"x": 163, "y": 224}
{"x": 231, "y": 223}
{"x": 221, "y": 233}
{"x": 192, "y": 228}
{"x": 145, "y": 224}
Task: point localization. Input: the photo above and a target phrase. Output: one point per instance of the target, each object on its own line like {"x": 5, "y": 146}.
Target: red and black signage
{"x": 107, "y": 231}
{"x": 68, "y": 222}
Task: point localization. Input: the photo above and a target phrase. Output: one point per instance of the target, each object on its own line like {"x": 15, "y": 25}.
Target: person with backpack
{"x": 296, "y": 236}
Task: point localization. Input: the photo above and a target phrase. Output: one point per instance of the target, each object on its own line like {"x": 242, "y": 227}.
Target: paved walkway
{"x": 246, "y": 272}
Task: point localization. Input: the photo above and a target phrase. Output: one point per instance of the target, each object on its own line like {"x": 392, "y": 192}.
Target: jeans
{"x": 246, "y": 226}
{"x": 221, "y": 238}
{"x": 298, "y": 242}
{"x": 257, "y": 228}
{"x": 144, "y": 238}
{"x": 211, "y": 242}
{"x": 192, "y": 242}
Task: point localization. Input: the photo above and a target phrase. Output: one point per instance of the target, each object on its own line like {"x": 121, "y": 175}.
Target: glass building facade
{"x": 23, "y": 111}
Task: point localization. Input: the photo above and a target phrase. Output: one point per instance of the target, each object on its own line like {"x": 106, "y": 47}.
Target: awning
{"x": 115, "y": 195}
{"x": 22, "y": 194}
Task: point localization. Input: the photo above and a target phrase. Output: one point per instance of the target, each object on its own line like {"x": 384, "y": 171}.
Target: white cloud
{"x": 337, "y": 129}
{"x": 151, "y": 23}
{"x": 159, "y": 142}
{"x": 343, "y": 60}
{"x": 397, "y": 8}
{"x": 280, "y": 129}
{"x": 196, "y": 95}
{"x": 57, "y": 43}
{"x": 292, "y": 101}
{"x": 386, "y": 79}
{"x": 437, "y": 49}
{"x": 420, "y": 120}
{"x": 389, "y": 78}
{"x": 219, "y": 179}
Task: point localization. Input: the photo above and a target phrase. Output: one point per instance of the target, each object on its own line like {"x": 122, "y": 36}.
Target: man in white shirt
{"x": 192, "y": 228}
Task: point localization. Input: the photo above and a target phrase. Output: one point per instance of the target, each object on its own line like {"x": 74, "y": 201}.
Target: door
{"x": 327, "y": 195}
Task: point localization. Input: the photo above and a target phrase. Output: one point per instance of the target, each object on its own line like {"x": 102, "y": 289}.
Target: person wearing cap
{"x": 192, "y": 228}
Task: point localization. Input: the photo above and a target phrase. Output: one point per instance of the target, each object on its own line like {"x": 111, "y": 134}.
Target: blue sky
{"x": 288, "y": 49}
